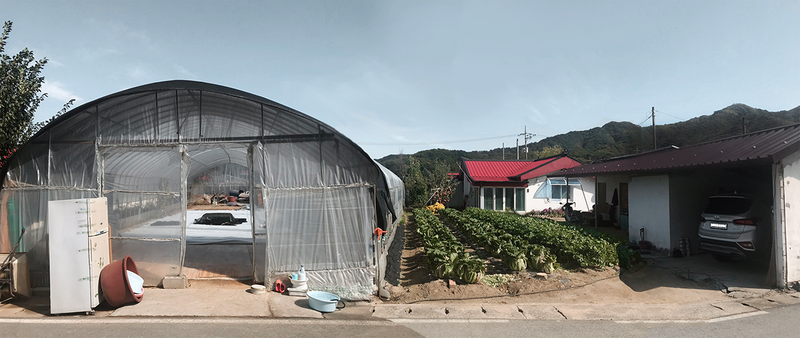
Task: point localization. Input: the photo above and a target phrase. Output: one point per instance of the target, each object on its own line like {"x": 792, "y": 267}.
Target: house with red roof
{"x": 522, "y": 185}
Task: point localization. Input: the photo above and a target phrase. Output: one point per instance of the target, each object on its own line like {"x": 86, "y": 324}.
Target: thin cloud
{"x": 56, "y": 90}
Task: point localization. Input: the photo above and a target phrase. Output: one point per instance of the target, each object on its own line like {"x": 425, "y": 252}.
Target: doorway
{"x": 219, "y": 235}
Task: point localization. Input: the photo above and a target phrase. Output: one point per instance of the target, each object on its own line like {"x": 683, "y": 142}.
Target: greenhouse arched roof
{"x": 187, "y": 112}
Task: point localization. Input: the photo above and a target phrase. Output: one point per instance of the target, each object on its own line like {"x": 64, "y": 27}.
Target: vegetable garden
{"x": 522, "y": 243}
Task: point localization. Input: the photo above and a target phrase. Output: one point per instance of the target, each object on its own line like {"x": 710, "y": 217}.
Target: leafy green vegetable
{"x": 444, "y": 253}
{"x": 570, "y": 245}
{"x": 496, "y": 279}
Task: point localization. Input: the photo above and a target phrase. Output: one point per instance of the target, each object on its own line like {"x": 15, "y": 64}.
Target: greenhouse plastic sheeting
{"x": 328, "y": 230}
{"x": 397, "y": 190}
{"x": 315, "y": 196}
{"x": 322, "y": 228}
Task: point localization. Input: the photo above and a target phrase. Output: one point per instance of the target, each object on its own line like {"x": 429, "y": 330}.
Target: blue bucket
{"x": 322, "y": 301}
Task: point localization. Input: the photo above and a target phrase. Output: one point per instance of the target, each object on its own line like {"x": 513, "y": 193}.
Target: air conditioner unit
{"x": 15, "y": 278}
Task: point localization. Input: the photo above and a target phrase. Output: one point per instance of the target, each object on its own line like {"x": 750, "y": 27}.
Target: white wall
{"x": 648, "y": 200}
{"x": 582, "y": 196}
{"x": 788, "y": 229}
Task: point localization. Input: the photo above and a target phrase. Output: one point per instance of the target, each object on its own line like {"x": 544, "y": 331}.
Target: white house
{"x": 522, "y": 185}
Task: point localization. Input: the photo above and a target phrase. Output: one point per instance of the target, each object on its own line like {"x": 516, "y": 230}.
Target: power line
{"x": 422, "y": 143}
{"x": 661, "y": 112}
{"x": 645, "y": 120}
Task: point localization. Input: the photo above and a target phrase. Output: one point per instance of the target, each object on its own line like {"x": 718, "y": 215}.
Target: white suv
{"x": 733, "y": 226}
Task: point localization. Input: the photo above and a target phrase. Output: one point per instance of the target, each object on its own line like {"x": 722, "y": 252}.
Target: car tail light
{"x": 745, "y": 221}
{"x": 747, "y": 245}
{"x": 702, "y": 219}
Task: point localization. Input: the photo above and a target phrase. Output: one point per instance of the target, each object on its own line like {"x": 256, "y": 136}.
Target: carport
{"x": 665, "y": 190}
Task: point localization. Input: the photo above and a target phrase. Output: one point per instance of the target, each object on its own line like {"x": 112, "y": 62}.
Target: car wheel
{"x": 721, "y": 257}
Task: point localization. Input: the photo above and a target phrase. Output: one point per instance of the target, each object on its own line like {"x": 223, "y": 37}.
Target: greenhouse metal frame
{"x": 316, "y": 196}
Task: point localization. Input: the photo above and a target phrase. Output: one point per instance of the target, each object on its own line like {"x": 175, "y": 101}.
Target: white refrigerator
{"x": 79, "y": 250}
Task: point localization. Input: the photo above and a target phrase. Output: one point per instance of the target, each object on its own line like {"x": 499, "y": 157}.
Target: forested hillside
{"x": 611, "y": 140}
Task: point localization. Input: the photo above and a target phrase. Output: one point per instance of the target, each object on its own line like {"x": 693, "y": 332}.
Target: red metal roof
{"x": 763, "y": 147}
{"x": 548, "y": 167}
{"x": 513, "y": 171}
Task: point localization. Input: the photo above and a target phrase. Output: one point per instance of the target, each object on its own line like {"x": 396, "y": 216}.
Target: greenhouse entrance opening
{"x": 219, "y": 234}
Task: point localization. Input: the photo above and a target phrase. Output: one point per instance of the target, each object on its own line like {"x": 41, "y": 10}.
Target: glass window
{"x": 509, "y": 198}
{"x": 561, "y": 187}
{"x": 488, "y": 198}
{"x": 728, "y": 205}
{"x": 520, "y": 206}
{"x": 498, "y": 199}
{"x": 559, "y": 192}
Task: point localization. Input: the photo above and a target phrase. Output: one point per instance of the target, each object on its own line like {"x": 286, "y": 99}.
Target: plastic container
{"x": 299, "y": 291}
{"x": 301, "y": 275}
{"x": 115, "y": 284}
{"x": 258, "y": 289}
{"x": 322, "y": 301}
{"x": 298, "y": 283}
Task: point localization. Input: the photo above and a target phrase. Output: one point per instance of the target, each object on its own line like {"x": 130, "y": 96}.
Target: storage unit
{"x": 78, "y": 252}
{"x": 14, "y": 278}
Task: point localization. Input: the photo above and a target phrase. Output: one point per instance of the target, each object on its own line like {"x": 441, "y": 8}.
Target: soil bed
{"x": 640, "y": 284}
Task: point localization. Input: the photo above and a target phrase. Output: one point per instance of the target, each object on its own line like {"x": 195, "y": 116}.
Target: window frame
{"x": 488, "y": 198}
{"x": 500, "y": 198}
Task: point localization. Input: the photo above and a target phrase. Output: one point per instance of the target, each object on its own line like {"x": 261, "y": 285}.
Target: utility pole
{"x": 504, "y": 150}
{"x": 655, "y": 145}
{"x": 517, "y": 148}
{"x": 744, "y": 125}
{"x": 526, "y": 136}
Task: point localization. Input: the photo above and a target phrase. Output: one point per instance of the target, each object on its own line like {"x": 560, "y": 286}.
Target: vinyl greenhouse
{"x": 163, "y": 154}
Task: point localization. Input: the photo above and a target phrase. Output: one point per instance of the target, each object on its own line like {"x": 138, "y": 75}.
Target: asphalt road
{"x": 777, "y": 322}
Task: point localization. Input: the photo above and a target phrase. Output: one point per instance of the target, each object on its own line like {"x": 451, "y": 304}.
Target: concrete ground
{"x": 746, "y": 278}
{"x": 740, "y": 286}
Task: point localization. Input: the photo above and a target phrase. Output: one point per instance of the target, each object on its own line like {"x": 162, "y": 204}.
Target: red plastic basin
{"x": 115, "y": 285}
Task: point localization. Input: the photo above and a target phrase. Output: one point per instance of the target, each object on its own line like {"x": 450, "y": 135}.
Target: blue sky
{"x": 404, "y": 76}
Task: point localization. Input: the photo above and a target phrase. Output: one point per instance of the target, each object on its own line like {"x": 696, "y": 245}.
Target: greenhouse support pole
{"x": 184, "y": 174}
{"x": 378, "y": 276}
{"x": 250, "y": 185}
{"x": 99, "y": 164}
{"x": 262, "y": 198}
{"x": 49, "y": 157}
{"x": 98, "y": 160}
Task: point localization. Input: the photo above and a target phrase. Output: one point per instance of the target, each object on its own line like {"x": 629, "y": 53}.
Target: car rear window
{"x": 728, "y": 205}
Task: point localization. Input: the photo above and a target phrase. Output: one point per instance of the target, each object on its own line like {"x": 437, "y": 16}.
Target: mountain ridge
{"x": 615, "y": 138}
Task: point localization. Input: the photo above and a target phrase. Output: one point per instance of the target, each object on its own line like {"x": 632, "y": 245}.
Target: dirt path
{"x": 641, "y": 284}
